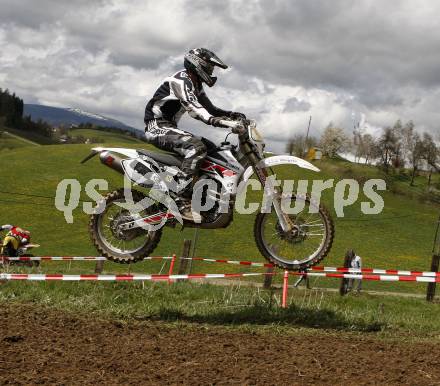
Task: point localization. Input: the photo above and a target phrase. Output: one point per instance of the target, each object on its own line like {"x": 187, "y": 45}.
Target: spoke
{"x": 314, "y": 221}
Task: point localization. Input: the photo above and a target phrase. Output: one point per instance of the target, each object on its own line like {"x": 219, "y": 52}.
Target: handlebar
{"x": 231, "y": 124}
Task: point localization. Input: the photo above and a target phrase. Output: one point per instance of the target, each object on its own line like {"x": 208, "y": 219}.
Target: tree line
{"x": 11, "y": 113}
{"x": 397, "y": 147}
{"x": 11, "y": 108}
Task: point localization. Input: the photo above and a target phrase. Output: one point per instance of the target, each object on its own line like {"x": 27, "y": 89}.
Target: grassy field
{"x": 31, "y": 136}
{"x": 101, "y": 136}
{"x": 10, "y": 141}
{"x": 400, "y": 237}
{"x": 237, "y": 307}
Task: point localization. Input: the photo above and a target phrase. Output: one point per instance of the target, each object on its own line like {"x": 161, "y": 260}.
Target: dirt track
{"x": 49, "y": 347}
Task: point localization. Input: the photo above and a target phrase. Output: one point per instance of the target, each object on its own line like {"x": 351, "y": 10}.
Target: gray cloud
{"x": 288, "y": 59}
{"x": 294, "y": 104}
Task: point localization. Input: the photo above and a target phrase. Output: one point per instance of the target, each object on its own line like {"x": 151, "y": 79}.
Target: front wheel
{"x": 305, "y": 245}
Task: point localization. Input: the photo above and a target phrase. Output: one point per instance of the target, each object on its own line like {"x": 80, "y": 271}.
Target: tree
{"x": 387, "y": 146}
{"x": 369, "y": 144}
{"x": 415, "y": 156}
{"x": 363, "y": 144}
{"x": 431, "y": 154}
{"x": 333, "y": 141}
{"x": 298, "y": 145}
{"x": 412, "y": 146}
{"x": 398, "y": 158}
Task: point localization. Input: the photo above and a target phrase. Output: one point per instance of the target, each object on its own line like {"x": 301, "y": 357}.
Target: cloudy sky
{"x": 342, "y": 61}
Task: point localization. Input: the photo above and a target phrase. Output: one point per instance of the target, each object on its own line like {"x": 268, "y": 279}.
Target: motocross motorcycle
{"x": 292, "y": 242}
{"x": 13, "y": 246}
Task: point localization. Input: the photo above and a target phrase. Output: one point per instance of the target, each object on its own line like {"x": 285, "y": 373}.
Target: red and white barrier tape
{"x": 96, "y": 258}
{"x": 374, "y": 271}
{"x": 423, "y": 279}
{"x": 53, "y": 258}
{"x": 310, "y": 271}
{"x": 60, "y": 277}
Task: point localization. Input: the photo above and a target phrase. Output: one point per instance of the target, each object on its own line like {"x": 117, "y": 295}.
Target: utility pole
{"x": 430, "y": 294}
{"x": 307, "y": 135}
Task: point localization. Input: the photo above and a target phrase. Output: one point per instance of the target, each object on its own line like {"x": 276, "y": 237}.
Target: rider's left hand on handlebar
{"x": 237, "y": 116}
{"x": 239, "y": 130}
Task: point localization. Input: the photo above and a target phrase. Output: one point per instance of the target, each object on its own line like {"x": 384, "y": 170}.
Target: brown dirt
{"x": 46, "y": 346}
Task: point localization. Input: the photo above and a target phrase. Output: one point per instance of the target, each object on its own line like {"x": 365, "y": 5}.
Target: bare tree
{"x": 368, "y": 148}
{"x": 415, "y": 155}
{"x": 387, "y": 145}
{"x": 431, "y": 154}
{"x": 363, "y": 145}
{"x": 333, "y": 141}
{"x": 398, "y": 129}
{"x": 357, "y": 144}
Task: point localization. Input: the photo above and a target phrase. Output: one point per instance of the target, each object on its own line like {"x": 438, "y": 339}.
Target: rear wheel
{"x": 306, "y": 244}
{"x": 122, "y": 246}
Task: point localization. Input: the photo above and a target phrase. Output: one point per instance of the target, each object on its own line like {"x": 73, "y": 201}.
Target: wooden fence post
{"x": 430, "y": 292}
{"x": 267, "y": 284}
{"x": 347, "y": 264}
{"x": 183, "y": 264}
{"x": 99, "y": 266}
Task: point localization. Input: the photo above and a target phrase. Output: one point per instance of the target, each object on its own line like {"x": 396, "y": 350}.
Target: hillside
{"x": 400, "y": 237}
{"x": 57, "y": 116}
{"x": 11, "y": 141}
{"x": 100, "y": 136}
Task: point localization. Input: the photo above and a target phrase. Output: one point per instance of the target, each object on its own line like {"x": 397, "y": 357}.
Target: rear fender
{"x": 129, "y": 153}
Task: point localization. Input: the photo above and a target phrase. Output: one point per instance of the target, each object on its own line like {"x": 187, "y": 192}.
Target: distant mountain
{"x": 57, "y": 116}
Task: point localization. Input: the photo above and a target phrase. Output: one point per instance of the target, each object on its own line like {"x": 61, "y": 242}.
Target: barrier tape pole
{"x": 285, "y": 289}
{"x": 170, "y": 272}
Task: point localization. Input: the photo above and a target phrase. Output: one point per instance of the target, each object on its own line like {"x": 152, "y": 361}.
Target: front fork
{"x": 275, "y": 194}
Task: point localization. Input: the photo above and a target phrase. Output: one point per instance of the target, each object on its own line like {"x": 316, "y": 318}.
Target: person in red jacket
{"x": 15, "y": 237}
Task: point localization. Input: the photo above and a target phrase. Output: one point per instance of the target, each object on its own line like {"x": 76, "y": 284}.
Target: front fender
{"x": 278, "y": 160}
{"x": 286, "y": 159}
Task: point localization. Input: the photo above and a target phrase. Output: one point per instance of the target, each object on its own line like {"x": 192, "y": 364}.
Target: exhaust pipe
{"x": 111, "y": 160}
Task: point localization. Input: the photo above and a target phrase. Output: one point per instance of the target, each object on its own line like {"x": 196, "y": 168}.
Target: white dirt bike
{"x": 292, "y": 242}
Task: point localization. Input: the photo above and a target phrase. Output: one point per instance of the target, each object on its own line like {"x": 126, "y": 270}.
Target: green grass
{"x": 10, "y": 141}
{"x": 31, "y": 136}
{"x": 101, "y": 136}
{"x": 400, "y": 237}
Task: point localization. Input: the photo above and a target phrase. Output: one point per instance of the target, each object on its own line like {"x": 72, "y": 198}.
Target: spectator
{"x": 356, "y": 262}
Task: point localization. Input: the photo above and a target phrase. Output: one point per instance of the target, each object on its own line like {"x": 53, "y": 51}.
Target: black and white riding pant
{"x": 166, "y": 136}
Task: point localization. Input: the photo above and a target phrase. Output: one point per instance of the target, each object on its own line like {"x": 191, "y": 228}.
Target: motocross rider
{"x": 180, "y": 93}
{"x": 21, "y": 236}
